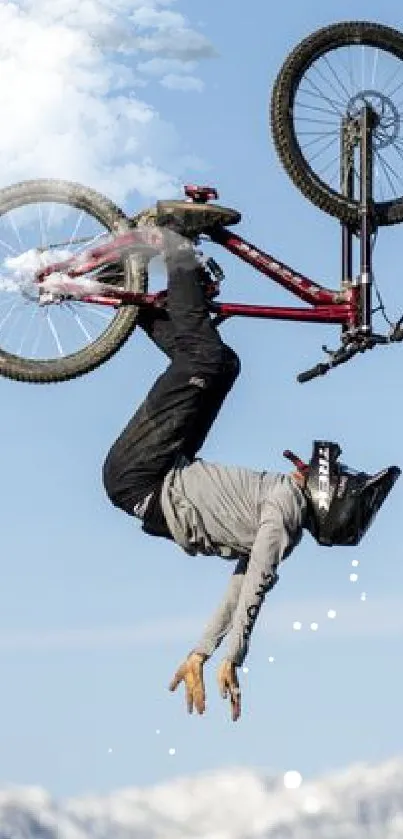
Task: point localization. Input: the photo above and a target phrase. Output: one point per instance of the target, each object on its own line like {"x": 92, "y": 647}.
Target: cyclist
{"x": 255, "y": 518}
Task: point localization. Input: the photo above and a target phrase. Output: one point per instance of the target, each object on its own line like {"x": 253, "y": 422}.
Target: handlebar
{"x": 318, "y": 370}
{"x": 342, "y": 355}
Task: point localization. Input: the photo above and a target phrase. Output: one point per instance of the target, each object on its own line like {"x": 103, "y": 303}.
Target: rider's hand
{"x": 191, "y": 673}
{"x": 228, "y": 684}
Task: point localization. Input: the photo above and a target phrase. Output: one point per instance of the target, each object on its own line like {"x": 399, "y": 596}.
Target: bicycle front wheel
{"x": 43, "y": 222}
{"x": 330, "y": 76}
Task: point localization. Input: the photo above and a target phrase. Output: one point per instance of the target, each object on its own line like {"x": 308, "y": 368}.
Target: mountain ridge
{"x": 364, "y": 800}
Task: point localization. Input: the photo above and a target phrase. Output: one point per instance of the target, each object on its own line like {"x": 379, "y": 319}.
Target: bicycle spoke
{"x": 399, "y": 87}
{"x": 320, "y": 95}
{"x": 363, "y": 66}
{"x": 317, "y": 121}
{"x": 377, "y": 178}
{"x": 315, "y": 141}
{"x": 385, "y": 168}
{"x": 399, "y": 151}
{"x": 7, "y": 317}
{"x": 328, "y": 165}
{"x": 300, "y": 104}
{"x": 77, "y": 227}
{"x": 95, "y": 311}
{"x": 328, "y": 82}
{"x": 337, "y": 78}
{"x": 37, "y": 340}
{"x": 322, "y": 151}
{"x": 318, "y": 133}
{"x": 80, "y": 324}
{"x": 398, "y": 142}
{"x": 90, "y": 243}
{"x": 390, "y": 80}
{"x": 374, "y": 68}
{"x": 351, "y": 71}
{"x": 33, "y": 315}
{"x": 17, "y": 234}
{"x": 8, "y": 247}
{"x": 54, "y": 333}
{"x": 392, "y": 171}
{"x": 41, "y": 227}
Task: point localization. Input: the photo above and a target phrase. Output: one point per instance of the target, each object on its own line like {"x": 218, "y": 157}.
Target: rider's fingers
{"x": 178, "y": 677}
{"x": 222, "y": 682}
{"x": 189, "y": 694}
{"x": 199, "y": 696}
{"x": 235, "y": 703}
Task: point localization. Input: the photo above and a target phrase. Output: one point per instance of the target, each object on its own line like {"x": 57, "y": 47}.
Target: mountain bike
{"x": 74, "y": 267}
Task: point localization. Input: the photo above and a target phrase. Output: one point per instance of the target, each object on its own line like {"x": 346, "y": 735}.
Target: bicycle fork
{"x": 357, "y": 135}
{"x": 358, "y": 131}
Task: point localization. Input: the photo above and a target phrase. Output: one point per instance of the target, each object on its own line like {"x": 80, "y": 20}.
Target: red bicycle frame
{"x": 326, "y": 306}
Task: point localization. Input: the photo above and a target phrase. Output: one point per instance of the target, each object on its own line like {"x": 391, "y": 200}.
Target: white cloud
{"x": 163, "y": 66}
{"x": 177, "y": 82}
{"x": 184, "y": 44}
{"x": 146, "y": 16}
{"x": 72, "y": 94}
{"x": 364, "y": 801}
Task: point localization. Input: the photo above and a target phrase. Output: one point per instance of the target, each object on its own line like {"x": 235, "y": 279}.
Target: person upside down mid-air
{"x": 254, "y": 518}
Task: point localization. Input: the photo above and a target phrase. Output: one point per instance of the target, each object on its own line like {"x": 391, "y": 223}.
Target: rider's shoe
{"x": 191, "y": 219}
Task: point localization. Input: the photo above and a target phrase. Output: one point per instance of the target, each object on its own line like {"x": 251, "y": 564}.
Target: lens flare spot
{"x": 292, "y": 779}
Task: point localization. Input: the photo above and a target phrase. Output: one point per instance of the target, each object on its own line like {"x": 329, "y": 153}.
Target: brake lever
{"x": 340, "y": 356}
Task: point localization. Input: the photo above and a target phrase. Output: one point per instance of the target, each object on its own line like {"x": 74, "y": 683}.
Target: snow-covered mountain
{"x": 364, "y": 802}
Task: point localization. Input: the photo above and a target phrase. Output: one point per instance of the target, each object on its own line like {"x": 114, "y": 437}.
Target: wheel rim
{"x": 337, "y": 84}
{"x": 32, "y": 236}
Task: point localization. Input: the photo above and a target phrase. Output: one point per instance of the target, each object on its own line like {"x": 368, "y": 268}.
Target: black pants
{"x": 182, "y": 405}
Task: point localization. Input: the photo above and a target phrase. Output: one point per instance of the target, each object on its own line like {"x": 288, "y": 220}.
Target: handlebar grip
{"x": 319, "y": 370}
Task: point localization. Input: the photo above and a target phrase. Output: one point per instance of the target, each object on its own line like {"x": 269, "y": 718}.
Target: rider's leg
{"x": 157, "y": 325}
{"x": 183, "y": 403}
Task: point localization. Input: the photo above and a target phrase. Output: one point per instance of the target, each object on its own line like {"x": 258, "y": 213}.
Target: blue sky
{"x": 95, "y": 616}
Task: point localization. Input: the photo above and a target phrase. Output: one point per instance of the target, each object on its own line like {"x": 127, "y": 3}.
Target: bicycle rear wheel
{"x": 328, "y": 76}
{"x": 58, "y": 342}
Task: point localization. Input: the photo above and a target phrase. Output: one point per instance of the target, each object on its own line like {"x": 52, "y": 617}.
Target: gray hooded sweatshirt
{"x": 238, "y": 514}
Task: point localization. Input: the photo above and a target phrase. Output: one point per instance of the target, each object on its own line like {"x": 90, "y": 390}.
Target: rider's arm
{"x": 254, "y": 576}
{"x": 221, "y": 621}
{"x": 274, "y": 541}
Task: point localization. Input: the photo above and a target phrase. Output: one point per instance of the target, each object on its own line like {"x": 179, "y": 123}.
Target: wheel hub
{"x": 387, "y": 124}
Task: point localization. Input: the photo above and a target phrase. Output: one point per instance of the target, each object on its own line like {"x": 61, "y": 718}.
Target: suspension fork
{"x": 368, "y": 122}
{"x": 358, "y": 131}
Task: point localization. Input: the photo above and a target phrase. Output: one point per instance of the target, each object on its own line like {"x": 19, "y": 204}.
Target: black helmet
{"x": 342, "y": 502}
